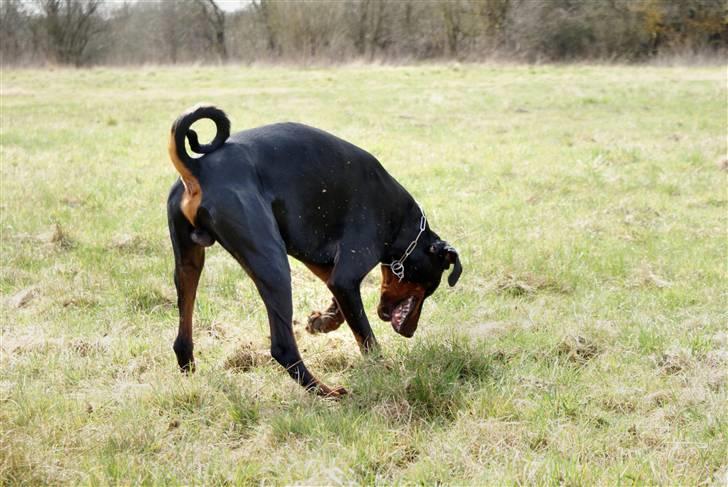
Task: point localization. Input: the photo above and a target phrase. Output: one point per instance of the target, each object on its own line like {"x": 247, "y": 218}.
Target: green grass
{"x": 585, "y": 343}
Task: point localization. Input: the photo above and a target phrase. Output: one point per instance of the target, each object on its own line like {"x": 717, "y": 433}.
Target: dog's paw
{"x": 329, "y": 393}
{"x": 187, "y": 368}
{"x": 324, "y": 322}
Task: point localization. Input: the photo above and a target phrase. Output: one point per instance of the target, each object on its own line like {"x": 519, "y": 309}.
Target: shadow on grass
{"x": 431, "y": 379}
{"x": 395, "y": 401}
{"x": 428, "y": 383}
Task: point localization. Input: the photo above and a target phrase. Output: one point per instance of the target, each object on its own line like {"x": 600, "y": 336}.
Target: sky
{"x": 226, "y": 5}
{"x": 232, "y": 5}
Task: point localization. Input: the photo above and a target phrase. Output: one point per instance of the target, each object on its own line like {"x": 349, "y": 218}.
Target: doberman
{"x": 290, "y": 189}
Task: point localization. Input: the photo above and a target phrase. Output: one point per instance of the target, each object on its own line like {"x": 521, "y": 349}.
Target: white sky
{"x": 226, "y": 5}
{"x": 232, "y": 5}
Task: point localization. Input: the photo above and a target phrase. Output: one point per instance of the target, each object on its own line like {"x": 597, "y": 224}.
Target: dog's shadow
{"x": 429, "y": 381}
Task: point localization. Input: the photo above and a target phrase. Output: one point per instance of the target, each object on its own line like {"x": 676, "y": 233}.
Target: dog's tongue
{"x": 401, "y": 312}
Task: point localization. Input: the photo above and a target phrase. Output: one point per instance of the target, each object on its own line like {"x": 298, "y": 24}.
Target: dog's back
{"x": 310, "y": 178}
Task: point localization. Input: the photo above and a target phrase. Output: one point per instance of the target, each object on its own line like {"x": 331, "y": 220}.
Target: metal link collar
{"x": 397, "y": 266}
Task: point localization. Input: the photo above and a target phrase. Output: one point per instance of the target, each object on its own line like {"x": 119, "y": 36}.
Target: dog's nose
{"x": 384, "y": 314}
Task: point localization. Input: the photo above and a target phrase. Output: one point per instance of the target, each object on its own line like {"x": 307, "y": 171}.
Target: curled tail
{"x": 186, "y": 166}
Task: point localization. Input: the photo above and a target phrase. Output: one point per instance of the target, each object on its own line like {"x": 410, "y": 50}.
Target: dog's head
{"x": 401, "y": 301}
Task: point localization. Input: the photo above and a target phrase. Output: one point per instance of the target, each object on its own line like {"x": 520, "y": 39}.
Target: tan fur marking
{"x": 322, "y": 272}
{"x": 394, "y": 290}
{"x": 193, "y": 192}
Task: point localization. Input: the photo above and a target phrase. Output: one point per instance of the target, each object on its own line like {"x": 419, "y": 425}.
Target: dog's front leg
{"x": 273, "y": 279}
{"x": 344, "y": 283}
{"x": 325, "y": 321}
{"x": 264, "y": 259}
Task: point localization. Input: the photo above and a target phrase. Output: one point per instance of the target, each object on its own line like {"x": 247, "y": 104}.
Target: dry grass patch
{"x": 84, "y": 347}
{"x": 527, "y": 284}
{"x": 133, "y": 244}
{"x": 644, "y": 275}
{"x": 489, "y": 330}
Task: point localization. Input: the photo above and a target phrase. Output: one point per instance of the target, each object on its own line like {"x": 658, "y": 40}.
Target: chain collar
{"x": 397, "y": 266}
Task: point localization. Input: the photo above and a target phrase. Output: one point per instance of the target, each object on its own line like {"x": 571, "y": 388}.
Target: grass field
{"x": 586, "y": 342}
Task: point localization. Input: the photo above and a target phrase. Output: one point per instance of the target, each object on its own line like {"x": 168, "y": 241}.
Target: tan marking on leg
{"x": 188, "y": 272}
{"x": 322, "y": 272}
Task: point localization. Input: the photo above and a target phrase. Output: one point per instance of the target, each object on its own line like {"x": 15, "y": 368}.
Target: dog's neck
{"x": 408, "y": 232}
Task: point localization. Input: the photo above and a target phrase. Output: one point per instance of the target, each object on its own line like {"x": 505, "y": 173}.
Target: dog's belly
{"x": 310, "y": 236}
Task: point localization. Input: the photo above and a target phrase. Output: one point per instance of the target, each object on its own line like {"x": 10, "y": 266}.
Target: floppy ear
{"x": 452, "y": 257}
{"x": 449, "y": 256}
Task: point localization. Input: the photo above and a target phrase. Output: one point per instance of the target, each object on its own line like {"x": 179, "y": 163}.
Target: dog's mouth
{"x": 404, "y": 316}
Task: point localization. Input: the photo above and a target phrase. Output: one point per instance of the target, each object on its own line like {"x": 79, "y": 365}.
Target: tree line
{"x": 91, "y": 32}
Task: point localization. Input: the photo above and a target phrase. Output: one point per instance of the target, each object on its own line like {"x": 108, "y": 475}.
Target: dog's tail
{"x": 186, "y": 165}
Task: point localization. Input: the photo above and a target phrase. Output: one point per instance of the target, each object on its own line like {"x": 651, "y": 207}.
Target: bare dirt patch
{"x": 674, "y": 360}
{"x": 246, "y": 357}
{"x": 23, "y": 297}
{"x": 578, "y": 349}
{"x": 645, "y": 276}
{"x": 56, "y": 235}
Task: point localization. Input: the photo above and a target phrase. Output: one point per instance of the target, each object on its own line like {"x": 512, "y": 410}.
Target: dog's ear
{"x": 449, "y": 256}
{"x": 453, "y": 258}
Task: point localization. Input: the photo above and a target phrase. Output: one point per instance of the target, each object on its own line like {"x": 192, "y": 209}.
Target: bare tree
{"x": 70, "y": 26}
{"x": 492, "y": 17}
{"x": 13, "y": 21}
{"x": 215, "y": 17}
{"x": 367, "y": 19}
{"x": 453, "y": 16}
{"x": 267, "y": 15}
{"x": 170, "y": 29}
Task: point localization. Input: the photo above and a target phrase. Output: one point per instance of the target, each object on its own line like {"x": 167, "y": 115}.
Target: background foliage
{"x": 81, "y": 32}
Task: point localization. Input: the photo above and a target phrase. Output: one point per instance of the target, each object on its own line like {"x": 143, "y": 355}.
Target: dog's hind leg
{"x": 189, "y": 259}
{"x": 255, "y": 242}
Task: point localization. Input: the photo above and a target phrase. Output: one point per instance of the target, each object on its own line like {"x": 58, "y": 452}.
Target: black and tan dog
{"x": 292, "y": 189}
